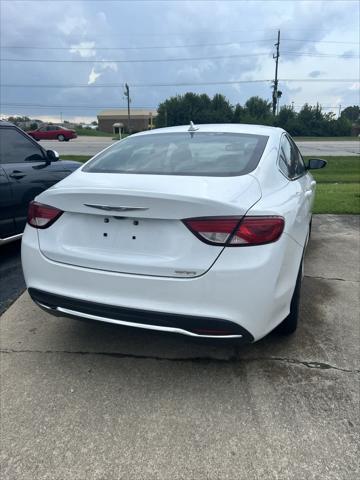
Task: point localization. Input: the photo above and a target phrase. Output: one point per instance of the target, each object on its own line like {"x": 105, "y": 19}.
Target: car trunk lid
{"x": 133, "y": 223}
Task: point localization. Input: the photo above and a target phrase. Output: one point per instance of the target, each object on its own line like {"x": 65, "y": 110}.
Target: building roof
{"x": 122, "y": 112}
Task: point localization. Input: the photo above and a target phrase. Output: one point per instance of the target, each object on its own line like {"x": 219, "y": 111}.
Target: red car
{"x": 53, "y": 132}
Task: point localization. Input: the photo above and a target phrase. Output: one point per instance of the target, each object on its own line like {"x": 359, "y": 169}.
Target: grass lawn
{"x": 77, "y": 158}
{"x": 338, "y": 169}
{"x": 87, "y": 132}
{"x": 338, "y": 184}
{"x": 320, "y": 139}
{"x": 337, "y": 198}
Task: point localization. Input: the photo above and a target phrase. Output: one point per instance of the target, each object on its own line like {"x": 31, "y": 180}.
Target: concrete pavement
{"x": 93, "y": 145}
{"x": 89, "y": 401}
{"x": 327, "y": 147}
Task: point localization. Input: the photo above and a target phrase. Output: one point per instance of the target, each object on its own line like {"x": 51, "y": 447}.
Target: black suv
{"x": 26, "y": 169}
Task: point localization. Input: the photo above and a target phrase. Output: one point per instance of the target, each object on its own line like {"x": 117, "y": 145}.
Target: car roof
{"x": 221, "y": 128}
{"x": 4, "y": 123}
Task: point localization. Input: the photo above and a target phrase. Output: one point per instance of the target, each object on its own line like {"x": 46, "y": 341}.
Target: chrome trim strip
{"x": 3, "y": 241}
{"x": 138, "y": 325}
{"x": 45, "y": 307}
{"x": 110, "y": 208}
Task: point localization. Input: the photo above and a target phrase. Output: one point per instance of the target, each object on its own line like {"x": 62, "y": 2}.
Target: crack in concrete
{"x": 331, "y": 278}
{"x": 205, "y": 360}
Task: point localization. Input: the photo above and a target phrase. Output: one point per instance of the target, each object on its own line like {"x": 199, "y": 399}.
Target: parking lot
{"x": 93, "y": 401}
{"x": 92, "y": 145}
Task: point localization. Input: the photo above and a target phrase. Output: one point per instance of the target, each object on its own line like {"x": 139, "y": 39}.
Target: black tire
{"x": 67, "y": 139}
{"x": 61, "y": 138}
{"x": 290, "y": 323}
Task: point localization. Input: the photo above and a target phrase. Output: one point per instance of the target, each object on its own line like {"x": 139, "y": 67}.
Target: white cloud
{"x": 102, "y": 67}
{"x": 84, "y": 49}
{"x": 71, "y": 24}
{"x": 84, "y": 29}
{"x": 355, "y": 86}
{"x": 93, "y": 76}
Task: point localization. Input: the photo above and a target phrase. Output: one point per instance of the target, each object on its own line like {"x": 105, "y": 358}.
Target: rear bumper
{"x": 248, "y": 287}
{"x": 168, "y": 322}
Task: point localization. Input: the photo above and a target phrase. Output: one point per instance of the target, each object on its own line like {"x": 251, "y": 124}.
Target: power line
{"x": 110, "y": 107}
{"x": 155, "y": 47}
{"x": 183, "y": 84}
{"x": 146, "y": 60}
{"x": 26, "y": 47}
{"x": 326, "y": 55}
{"x": 305, "y": 40}
{"x": 184, "y": 59}
{"x": 198, "y": 32}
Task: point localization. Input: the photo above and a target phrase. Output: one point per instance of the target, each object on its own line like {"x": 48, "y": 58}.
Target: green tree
{"x": 351, "y": 113}
{"x": 239, "y": 114}
{"x": 287, "y": 120}
{"x": 221, "y": 110}
{"x": 180, "y": 110}
{"x": 259, "y": 110}
{"x": 310, "y": 121}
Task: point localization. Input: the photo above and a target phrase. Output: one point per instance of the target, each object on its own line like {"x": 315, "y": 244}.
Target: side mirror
{"x": 52, "y": 155}
{"x": 316, "y": 163}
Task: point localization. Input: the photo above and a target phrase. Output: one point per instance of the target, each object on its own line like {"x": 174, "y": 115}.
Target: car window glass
{"x": 296, "y": 160}
{"x": 203, "y": 154}
{"x": 42, "y": 129}
{"x": 285, "y": 157}
{"x": 15, "y": 147}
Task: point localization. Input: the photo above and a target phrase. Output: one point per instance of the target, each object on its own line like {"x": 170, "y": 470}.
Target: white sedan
{"x": 197, "y": 230}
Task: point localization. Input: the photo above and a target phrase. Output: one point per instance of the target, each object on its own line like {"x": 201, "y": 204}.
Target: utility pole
{"x": 339, "y": 114}
{"x": 276, "y": 94}
{"x": 127, "y": 95}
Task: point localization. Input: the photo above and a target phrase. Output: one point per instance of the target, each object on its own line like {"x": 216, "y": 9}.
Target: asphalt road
{"x": 11, "y": 276}
{"x": 89, "y": 401}
{"x": 92, "y": 145}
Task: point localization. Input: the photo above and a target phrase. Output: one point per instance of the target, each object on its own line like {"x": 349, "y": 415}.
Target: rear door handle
{"x": 17, "y": 174}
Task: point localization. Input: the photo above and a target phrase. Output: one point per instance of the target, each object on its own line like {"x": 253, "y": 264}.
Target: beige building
{"x": 111, "y": 120}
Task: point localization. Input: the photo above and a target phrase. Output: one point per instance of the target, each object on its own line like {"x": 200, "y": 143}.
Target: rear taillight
{"x": 42, "y": 216}
{"x": 215, "y": 231}
{"x": 236, "y": 232}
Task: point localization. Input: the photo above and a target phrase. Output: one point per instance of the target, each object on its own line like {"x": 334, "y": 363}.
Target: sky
{"x": 113, "y": 42}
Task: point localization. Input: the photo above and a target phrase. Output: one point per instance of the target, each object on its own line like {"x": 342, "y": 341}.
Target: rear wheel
{"x": 61, "y": 138}
{"x": 67, "y": 139}
{"x": 289, "y": 325}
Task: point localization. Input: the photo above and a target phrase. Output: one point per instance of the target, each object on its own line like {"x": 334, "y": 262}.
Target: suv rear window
{"x": 191, "y": 154}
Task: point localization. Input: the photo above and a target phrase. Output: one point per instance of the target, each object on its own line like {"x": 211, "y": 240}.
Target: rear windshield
{"x": 193, "y": 154}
